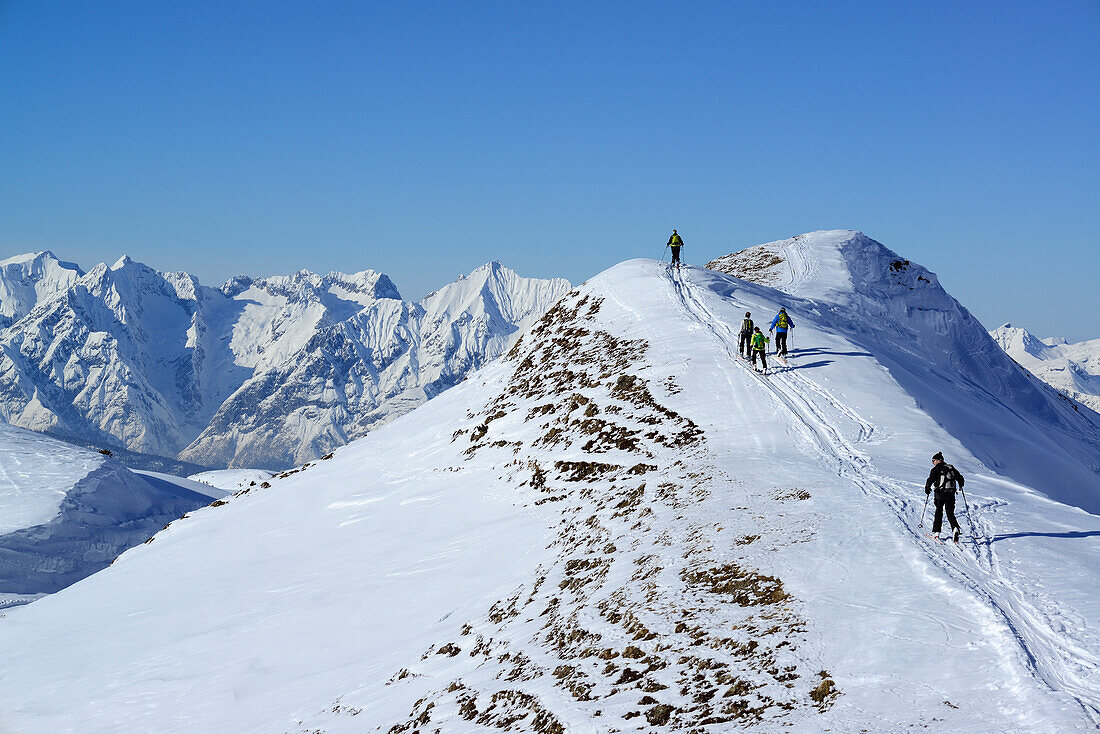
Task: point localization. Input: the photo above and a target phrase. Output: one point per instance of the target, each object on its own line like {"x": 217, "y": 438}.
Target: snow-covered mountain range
{"x": 1071, "y": 368}
{"x": 260, "y": 372}
{"x": 620, "y": 526}
{"x": 66, "y": 512}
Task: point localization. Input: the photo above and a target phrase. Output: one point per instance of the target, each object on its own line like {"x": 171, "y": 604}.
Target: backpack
{"x": 781, "y": 320}
{"x": 949, "y": 479}
{"x": 746, "y": 326}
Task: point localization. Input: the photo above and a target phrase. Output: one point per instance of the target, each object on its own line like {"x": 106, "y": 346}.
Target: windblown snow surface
{"x": 620, "y": 527}
{"x": 1071, "y": 368}
{"x": 66, "y": 512}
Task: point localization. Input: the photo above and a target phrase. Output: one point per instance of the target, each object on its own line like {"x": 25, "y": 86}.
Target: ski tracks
{"x": 1062, "y": 666}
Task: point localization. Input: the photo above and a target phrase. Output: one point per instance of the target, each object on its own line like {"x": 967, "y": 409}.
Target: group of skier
{"x": 944, "y": 479}
{"x": 753, "y": 343}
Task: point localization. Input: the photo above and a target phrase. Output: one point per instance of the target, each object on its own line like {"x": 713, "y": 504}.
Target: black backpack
{"x": 950, "y": 479}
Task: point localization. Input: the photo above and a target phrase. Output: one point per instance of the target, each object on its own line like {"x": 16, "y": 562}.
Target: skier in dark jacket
{"x": 780, "y": 324}
{"x": 675, "y": 242}
{"x": 745, "y": 343}
{"x": 945, "y": 479}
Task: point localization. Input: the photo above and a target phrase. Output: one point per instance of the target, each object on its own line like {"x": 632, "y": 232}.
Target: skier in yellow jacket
{"x": 675, "y": 242}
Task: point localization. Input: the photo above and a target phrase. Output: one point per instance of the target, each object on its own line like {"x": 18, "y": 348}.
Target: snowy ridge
{"x": 619, "y": 526}
{"x": 66, "y": 512}
{"x": 1071, "y": 369}
{"x": 232, "y": 480}
{"x": 942, "y": 356}
{"x": 263, "y": 372}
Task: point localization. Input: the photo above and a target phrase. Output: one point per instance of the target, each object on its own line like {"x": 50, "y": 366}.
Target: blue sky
{"x": 425, "y": 138}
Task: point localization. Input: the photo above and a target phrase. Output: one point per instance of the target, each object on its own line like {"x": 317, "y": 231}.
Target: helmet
{"x": 747, "y": 314}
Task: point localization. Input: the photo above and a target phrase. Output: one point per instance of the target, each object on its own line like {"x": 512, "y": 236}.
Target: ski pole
{"x": 969, "y": 517}
{"x": 663, "y": 253}
{"x": 926, "y": 496}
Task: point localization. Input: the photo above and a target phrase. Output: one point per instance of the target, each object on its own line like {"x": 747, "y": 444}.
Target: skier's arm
{"x": 959, "y": 477}
{"x": 931, "y": 479}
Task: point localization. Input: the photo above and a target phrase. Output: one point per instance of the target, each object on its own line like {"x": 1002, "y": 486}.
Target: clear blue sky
{"x": 425, "y": 138}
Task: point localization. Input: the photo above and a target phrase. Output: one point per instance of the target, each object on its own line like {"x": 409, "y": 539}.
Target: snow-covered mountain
{"x": 67, "y": 512}
{"x": 1070, "y": 368}
{"x": 377, "y": 364}
{"x": 25, "y": 280}
{"x": 621, "y": 527}
{"x": 268, "y": 372}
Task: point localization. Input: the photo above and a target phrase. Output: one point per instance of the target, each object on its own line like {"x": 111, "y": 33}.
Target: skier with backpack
{"x": 759, "y": 346}
{"x": 675, "y": 242}
{"x": 945, "y": 479}
{"x": 780, "y": 324}
{"x": 744, "y": 345}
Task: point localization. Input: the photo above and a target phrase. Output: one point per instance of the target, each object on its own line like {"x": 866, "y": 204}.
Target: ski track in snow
{"x": 1044, "y": 651}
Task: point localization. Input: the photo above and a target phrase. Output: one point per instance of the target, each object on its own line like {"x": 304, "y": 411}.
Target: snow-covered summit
{"x": 619, "y": 525}
{"x": 1071, "y": 368}
{"x": 936, "y": 350}
{"x": 25, "y": 280}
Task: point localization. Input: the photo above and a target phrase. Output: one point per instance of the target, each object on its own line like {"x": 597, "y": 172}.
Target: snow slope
{"x": 232, "y": 480}
{"x": 1071, "y": 369}
{"x": 261, "y": 372}
{"x": 66, "y": 512}
{"x": 619, "y": 526}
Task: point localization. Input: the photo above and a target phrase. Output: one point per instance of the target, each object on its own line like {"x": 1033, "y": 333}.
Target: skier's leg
{"x": 937, "y": 521}
{"x": 949, "y": 505}
{"x": 763, "y": 361}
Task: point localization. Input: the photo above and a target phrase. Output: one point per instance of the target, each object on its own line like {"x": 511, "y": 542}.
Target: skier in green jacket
{"x": 759, "y": 346}
{"x": 675, "y": 242}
